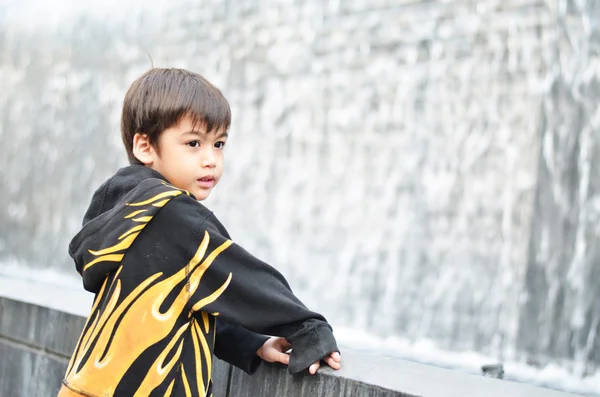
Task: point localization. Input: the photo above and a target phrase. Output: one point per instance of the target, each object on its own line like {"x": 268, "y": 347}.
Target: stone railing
{"x": 40, "y": 324}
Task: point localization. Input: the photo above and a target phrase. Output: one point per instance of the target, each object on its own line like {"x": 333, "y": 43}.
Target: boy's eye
{"x": 220, "y": 145}
{"x": 194, "y": 144}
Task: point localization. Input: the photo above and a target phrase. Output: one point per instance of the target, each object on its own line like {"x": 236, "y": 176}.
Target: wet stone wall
{"x": 430, "y": 164}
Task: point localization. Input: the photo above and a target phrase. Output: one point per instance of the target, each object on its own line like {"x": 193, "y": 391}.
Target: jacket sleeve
{"x": 238, "y": 346}
{"x": 227, "y": 281}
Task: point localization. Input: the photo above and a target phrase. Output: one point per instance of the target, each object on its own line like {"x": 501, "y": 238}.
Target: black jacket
{"x": 163, "y": 269}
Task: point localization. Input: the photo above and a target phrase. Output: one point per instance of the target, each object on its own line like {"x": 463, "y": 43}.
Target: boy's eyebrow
{"x": 222, "y": 134}
{"x": 191, "y": 132}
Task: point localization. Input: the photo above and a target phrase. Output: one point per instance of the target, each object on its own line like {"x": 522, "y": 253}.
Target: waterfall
{"x": 423, "y": 169}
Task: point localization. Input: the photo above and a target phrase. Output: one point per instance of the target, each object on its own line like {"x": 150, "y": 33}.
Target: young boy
{"x": 164, "y": 269}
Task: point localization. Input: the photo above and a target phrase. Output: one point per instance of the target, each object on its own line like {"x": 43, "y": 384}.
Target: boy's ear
{"x": 142, "y": 149}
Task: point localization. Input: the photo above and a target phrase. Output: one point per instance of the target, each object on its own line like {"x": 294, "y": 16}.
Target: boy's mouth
{"x": 206, "y": 181}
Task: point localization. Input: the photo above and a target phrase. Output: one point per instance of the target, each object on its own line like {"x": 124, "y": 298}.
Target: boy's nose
{"x": 209, "y": 159}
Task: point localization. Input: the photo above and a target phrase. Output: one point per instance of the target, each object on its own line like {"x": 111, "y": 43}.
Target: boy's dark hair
{"x": 158, "y": 100}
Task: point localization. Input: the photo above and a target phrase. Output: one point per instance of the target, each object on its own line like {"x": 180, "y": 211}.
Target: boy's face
{"x": 189, "y": 158}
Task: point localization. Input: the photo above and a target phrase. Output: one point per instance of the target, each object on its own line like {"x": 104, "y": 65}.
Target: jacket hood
{"x": 115, "y": 188}
{"x": 103, "y": 237}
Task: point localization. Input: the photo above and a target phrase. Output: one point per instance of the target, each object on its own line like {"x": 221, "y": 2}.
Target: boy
{"x": 163, "y": 268}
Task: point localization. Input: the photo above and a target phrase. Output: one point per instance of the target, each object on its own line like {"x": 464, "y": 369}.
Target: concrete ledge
{"x": 37, "y": 337}
{"x": 47, "y": 329}
{"x": 29, "y": 372}
{"x": 274, "y": 381}
{"x": 369, "y": 375}
{"x": 220, "y": 376}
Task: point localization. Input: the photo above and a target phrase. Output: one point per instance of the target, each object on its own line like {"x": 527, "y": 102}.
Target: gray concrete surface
{"x": 29, "y": 372}
{"x": 36, "y": 342}
{"x": 368, "y": 375}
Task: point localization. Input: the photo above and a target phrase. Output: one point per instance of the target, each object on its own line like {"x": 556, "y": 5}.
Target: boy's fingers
{"x": 285, "y": 345}
{"x": 283, "y": 358}
{"x": 332, "y": 363}
{"x": 313, "y": 368}
{"x": 332, "y": 360}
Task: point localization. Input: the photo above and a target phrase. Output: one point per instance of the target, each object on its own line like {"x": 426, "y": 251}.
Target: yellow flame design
{"x": 186, "y": 384}
{"x": 161, "y": 203}
{"x": 123, "y": 245}
{"x": 170, "y": 389}
{"x": 159, "y": 370}
{"x": 134, "y": 213}
{"x": 129, "y": 236}
{"x": 170, "y": 194}
{"x": 205, "y": 321}
{"x": 199, "y": 377}
{"x": 173, "y": 187}
{"x": 132, "y": 230}
{"x": 145, "y": 219}
{"x": 197, "y": 335}
{"x": 141, "y": 325}
{"x": 105, "y": 258}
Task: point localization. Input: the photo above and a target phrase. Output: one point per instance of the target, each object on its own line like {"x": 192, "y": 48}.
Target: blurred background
{"x": 424, "y": 172}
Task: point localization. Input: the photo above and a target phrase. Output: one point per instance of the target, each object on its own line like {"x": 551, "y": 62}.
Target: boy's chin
{"x": 202, "y": 194}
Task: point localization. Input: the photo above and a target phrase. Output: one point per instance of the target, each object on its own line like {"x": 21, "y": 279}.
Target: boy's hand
{"x": 333, "y": 360}
{"x": 274, "y": 350}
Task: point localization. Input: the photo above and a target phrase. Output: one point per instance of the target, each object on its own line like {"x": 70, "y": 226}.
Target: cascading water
{"x": 417, "y": 169}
